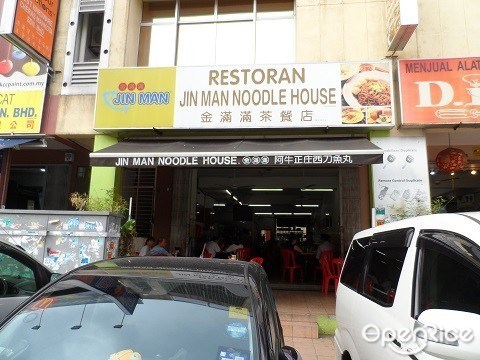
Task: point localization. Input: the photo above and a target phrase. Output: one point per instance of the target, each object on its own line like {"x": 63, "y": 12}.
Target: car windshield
{"x": 162, "y": 315}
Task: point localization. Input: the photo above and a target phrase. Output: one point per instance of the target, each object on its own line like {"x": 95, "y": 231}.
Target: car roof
{"x": 218, "y": 270}
{"x": 458, "y": 222}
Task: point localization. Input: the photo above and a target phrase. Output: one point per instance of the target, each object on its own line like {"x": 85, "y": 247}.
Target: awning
{"x": 6, "y": 143}
{"x": 240, "y": 153}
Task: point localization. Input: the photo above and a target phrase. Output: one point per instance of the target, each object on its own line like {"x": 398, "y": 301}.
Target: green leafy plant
{"x": 438, "y": 204}
{"x": 111, "y": 202}
{"x": 127, "y": 232}
{"x": 128, "y": 228}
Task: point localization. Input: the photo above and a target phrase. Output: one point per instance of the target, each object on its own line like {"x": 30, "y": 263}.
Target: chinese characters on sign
{"x": 201, "y": 161}
{"x": 262, "y": 96}
{"x": 22, "y": 91}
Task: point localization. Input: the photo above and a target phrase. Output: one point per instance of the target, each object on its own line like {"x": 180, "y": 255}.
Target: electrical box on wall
{"x": 69, "y": 157}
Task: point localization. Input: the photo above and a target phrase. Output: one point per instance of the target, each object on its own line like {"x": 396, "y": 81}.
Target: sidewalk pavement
{"x": 298, "y": 311}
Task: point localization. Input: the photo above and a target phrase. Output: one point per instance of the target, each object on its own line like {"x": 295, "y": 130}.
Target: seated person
{"x": 325, "y": 245}
{"x": 233, "y": 247}
{"x": 149, "y": 244}
{"x": 160, "y": 249}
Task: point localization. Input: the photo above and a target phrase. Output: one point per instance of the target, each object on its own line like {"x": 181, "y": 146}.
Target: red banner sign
{"x": 440, "y": 91}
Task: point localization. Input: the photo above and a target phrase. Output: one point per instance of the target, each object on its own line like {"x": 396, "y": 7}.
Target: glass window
{"x": 234, "y": 43}
{"x": 217, "y": 33}
{"x": 239, "y": 9}
{"x": 158, "y": 317}
{"x": 16, "y": 278}
{"x": 275, "y": 41}
{"x": 384, "y": 269}
{"x": 352, "y": 274}
{"x": 196, "y": 44}
{"x": 197, "y": 10}
{"x": 449, "y": 276}
{"x": 89, "y": 37}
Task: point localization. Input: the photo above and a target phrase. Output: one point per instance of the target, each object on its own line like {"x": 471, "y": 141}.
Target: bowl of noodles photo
{"x": 370, "y": 88}
{"x": 352, "y": 116}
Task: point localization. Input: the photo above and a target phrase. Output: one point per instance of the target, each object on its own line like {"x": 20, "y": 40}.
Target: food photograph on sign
{"x": 366, "y": 94}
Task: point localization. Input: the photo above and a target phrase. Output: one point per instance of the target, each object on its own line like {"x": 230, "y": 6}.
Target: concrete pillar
{"x": 103, "y": 179}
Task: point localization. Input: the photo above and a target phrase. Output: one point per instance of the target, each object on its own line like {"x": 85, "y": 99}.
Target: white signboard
{"x": 284, "y": 96}
{"x": 401, "y": 187}
{"x": 402, "y": 20}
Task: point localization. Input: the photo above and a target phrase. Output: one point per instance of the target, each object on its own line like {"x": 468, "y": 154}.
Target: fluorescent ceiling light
{"x": 235, "y": 198}
{"x": 473, "y": 172}
{"x": 218, "y": 204}
{"x": 302, "y": 213}
{"x": 263, "y": 213}
{"x": 259, "y": 189}
{"x": 324, "y": 189}
{"x": 282, "y": 213}
{"x": 228, "y": 192}
{"x": 240, "y": 203}
{"x": 314, "y": 206}
{"x": 259, "y": 205}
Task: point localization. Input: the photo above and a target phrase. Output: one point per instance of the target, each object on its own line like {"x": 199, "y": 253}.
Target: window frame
{"x": 403, "y": 239}
{"x": 85, "y": 69}
{"x": 443, "y": 248}
{"x": 216, "y": 19}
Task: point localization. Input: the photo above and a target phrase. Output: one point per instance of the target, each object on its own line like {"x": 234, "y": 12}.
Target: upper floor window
{"x": 217, "y": 32}
{"x": 88, "y": 45}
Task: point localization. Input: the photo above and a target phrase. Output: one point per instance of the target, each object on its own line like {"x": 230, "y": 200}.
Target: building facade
{"x": 106, "y": 48}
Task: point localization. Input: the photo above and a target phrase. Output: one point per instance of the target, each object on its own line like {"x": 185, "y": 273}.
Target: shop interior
{"x": 261, "y": 206}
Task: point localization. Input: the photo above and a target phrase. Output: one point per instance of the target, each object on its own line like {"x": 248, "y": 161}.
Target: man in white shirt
{"x": 326, "y": 245}
{"x": 149, "y": 244}
{"x": 212, "y": 247}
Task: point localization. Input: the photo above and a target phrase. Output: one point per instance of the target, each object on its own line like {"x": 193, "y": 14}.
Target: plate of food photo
{"x": 348, "y": 70}
{"x": 369, "y": 88}
{"x": 379, "y": 116}
{"x": 352, "y": 116}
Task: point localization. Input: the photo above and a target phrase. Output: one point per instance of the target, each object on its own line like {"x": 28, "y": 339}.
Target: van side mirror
{"x": 289, "y": 353}
{"x": 449, "y": 334}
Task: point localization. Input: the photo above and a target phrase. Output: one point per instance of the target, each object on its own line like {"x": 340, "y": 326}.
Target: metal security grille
{"x": 139, "y": 184}
{"x": 92, "y": 5}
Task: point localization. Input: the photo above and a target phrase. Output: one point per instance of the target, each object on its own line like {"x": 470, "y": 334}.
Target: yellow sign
{"x": 21, "y": 111}
{"x": 238, "y": 313}
{"x": 135, "y": 98}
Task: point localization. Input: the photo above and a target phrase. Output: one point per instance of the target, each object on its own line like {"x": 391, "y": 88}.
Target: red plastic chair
{"x": 244, "y": 254}
{"x": 290, "y": 264}
{"x": 327, "y": 275}
{"x": 258, "y": 260}
{"x": 337, "y": 265}
{"x": 328, "y": 255}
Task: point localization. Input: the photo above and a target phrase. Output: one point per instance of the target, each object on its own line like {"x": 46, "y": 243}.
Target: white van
{"x": 411, "y": 290}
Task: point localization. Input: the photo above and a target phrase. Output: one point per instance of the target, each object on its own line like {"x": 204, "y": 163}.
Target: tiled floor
{"x": 298, "y": 311}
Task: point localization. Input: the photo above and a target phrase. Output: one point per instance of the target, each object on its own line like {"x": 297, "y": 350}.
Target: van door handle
{"x": 398, "y": 344}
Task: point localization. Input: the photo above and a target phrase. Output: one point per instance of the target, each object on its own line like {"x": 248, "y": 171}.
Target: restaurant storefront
{"x": 177, "y": 121}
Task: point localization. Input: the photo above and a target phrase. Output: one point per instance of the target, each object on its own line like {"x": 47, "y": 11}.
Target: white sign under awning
{"x": 401, "y": 186}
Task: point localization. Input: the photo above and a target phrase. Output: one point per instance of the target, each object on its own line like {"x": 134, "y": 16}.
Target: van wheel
{"x": 346, "y": 356}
